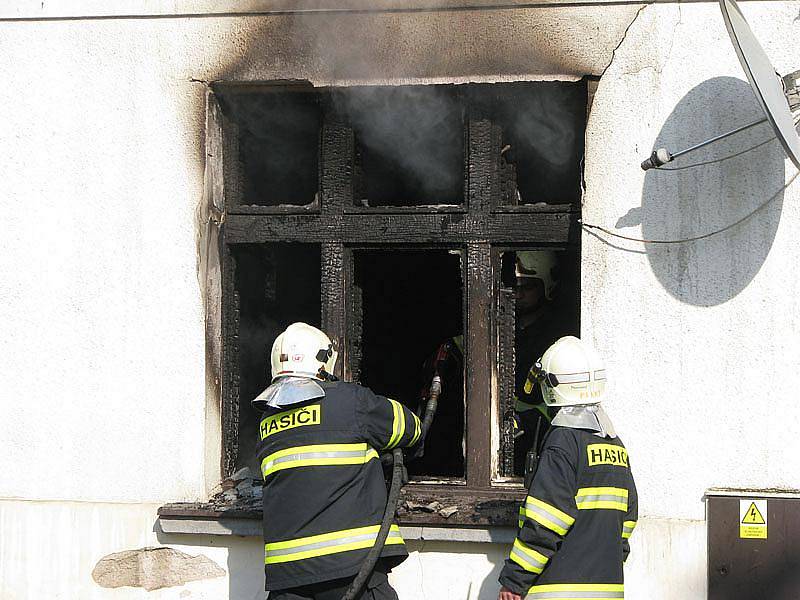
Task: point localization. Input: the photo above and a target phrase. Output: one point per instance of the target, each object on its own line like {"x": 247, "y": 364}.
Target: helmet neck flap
{"x": 590, "y": 416}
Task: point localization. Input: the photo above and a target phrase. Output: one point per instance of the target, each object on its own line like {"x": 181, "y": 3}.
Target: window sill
{"x": 425, "y": 512}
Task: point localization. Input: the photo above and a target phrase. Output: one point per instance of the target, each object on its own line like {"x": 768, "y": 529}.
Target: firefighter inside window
{"x": 538, "y": 324}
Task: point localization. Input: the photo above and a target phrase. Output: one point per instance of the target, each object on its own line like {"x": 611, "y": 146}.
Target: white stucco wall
{"x": 103, "y": 371}
{"x": 49, "y": 549}
{"x": 701, "y": 337}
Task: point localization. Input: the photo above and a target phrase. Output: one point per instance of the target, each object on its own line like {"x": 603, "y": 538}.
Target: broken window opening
{"x": 278, "y": 146}
{"x": 409, "y": 144}
{"x": 543, "y": 125}
{"x": 277, "y": 284}
{"x": 538, "y": 303}
{"x": 412, "y": 304}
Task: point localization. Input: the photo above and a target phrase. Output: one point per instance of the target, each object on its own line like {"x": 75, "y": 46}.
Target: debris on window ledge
{"x": 240, "y": 498}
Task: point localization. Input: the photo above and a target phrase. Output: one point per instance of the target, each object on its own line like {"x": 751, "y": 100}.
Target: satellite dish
{"x": 778, "y": 96}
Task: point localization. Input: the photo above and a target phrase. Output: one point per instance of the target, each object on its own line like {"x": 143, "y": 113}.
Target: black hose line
{"x": 388, "y": 518}
{"x": 374, "y": 553}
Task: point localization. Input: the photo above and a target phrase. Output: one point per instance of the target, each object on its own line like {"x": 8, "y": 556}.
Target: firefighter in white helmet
{"x": 324, "y": 492}
{"x": 538, "y": 324}
{"x": 582, "y": 505}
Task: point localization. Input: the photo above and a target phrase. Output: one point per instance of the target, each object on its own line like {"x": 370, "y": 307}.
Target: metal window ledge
{"x": 752, "y": 492}
{"x": 252, "y": 528}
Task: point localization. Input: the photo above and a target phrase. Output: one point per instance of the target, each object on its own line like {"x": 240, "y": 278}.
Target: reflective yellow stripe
{"x": 327, "y": 543}
{"x": 627, "y": 529}
{"x": 317, "y": 455}
{"x": 417, "y": 430}
{"x": 547, "y": 515}
{"x": 530, "y": 381}
{"x": 527, "y": 558}
{"x": 398, "y": 424}
{"x": 576, "y": 591}
{"x": 602, "y": 498}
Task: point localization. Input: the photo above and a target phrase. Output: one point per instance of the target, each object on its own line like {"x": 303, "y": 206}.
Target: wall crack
{"x": 624, "y": 36}
{"x": 660, "y": 69}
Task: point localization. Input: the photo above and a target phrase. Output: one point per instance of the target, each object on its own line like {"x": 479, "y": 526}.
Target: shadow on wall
{"x": 687, "y": 202}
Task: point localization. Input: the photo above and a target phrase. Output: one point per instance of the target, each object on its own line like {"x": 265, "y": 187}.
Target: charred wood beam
{"x": 230, "y": 357}
{"x": 506, "y": 367}
{"x": 479, "y": 364}
{"x": 336, "y": 164}
{"x": 334, "y": 307}
{"x": 387, "y": 229}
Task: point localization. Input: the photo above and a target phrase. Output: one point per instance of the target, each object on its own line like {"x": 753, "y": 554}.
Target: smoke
{"x": 411, "y": 140}
{"x": 544, "y": 123}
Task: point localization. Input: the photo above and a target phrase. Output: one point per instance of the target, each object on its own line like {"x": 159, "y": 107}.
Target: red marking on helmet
{"x": 298, "y": 357}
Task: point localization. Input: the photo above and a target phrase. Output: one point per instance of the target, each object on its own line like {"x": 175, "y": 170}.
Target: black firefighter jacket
{"x": 324, "y": 491}
{"x": 575, "y": 523}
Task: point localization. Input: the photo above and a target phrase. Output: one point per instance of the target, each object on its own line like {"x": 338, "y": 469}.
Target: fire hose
{"x": 394, "y": 493}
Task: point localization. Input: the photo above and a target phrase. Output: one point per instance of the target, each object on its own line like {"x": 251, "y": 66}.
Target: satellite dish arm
{"x": 662, "y": 156}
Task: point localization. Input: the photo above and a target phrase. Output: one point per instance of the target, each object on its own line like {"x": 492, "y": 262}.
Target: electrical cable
{"x": 697, "y": 237}
{"x": 267, "y": 12}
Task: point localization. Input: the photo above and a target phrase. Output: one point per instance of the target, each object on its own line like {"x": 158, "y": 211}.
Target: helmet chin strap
{"x": 325, "y": 376}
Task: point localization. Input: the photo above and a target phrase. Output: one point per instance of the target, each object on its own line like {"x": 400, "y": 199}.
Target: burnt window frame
{"x": 482, "y": 226}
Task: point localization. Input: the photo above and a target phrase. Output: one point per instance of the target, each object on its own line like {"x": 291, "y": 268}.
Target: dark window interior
{"x": 538, "y": 322}
{"x": 409, "y": 144}
{"x": 279, "y": 139}
{"x": 412, "y": 303}
{"x": 277, "y": 284}
{"x": 543, "y": 126}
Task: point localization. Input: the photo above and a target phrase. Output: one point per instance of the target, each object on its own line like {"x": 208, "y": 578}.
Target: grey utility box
{"x": 753, "y": 545}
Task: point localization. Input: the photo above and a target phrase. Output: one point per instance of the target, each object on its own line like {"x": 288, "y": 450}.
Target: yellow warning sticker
{"x": 753, "y": 519}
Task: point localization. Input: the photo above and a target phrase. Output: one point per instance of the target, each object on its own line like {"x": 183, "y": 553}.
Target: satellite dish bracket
{"x": 778, "y": 96}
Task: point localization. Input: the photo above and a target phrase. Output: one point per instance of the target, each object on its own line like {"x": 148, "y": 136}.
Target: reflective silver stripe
{"x": 627, "y": 528}
{"x": 547, "y": 516}
{"x": 576, "y": 594}
{"x": 602, "y": 497}
{"x": 308, "y": 455}
{"x": 572, "y": 377}
{"x": 601, "y": 374}
{"x": 317, "y": 455}
{"x": 537, "y": 566}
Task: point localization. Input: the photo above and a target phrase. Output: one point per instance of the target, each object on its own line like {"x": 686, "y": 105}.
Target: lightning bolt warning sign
{"x": 753, "y": 519}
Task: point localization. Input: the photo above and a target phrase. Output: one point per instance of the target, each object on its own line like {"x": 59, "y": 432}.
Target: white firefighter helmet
{"x": 302, "y": 351}
{"x": 571, "y": 373}
{"x": 538, "y": 264}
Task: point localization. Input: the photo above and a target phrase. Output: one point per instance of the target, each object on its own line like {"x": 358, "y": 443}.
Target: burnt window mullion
{"x": 335, "y": 290}
{"x": 506, "y": 368}
{"x": 337, "y": 163}
{"x": 483, "y": 151}
{"x": 230, "y": 353}
{"x": 479, "y": 364}
{"x": 483, "y": 186}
